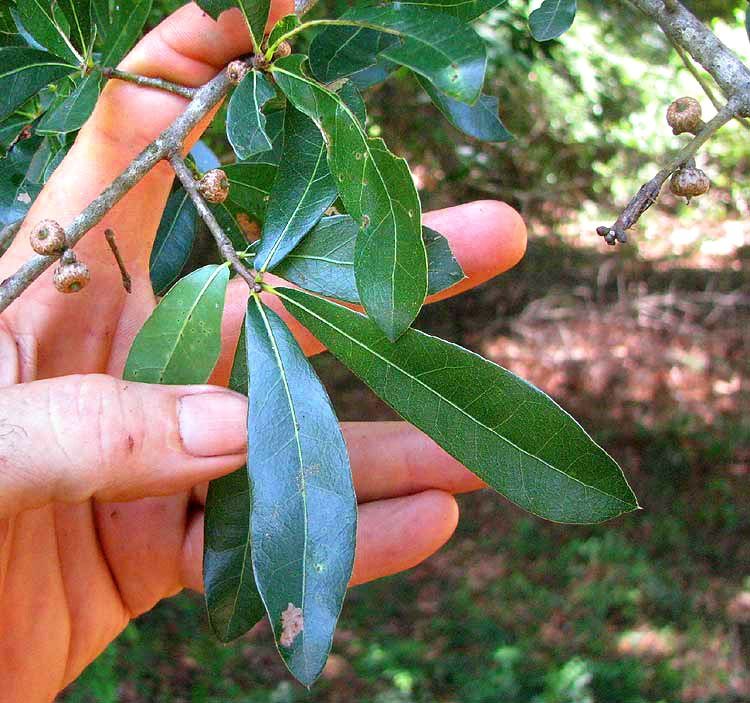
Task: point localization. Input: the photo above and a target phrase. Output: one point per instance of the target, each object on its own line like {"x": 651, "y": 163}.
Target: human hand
{"x": 102, "y": 482}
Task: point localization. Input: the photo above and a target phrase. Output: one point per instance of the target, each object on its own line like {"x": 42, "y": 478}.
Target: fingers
{"x": 76, "y": 437}
{"x": 392, "y": 535}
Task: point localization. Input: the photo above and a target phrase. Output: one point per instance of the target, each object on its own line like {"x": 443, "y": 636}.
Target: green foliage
{"x": 552, "y": 19}
{"x": 245, "y": 119}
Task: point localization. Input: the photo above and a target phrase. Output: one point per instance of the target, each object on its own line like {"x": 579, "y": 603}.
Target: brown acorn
{"x": 684, "y": 115}
{"x": 236, "y": 71}
{"x": 214, "y": 186}
{"x": 283, "y": 49}
{"x": 689, "y": 182}
{"x": 47, "y": 238}
{"x": 72, "y": 275}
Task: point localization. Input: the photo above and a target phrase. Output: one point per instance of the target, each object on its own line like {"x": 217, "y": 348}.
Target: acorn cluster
{"x": 48, "y": 239}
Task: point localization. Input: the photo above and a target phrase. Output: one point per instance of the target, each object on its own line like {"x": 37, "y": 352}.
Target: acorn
{"x": 47, "y": 238}
{"x": 689, "y": 182}
{"x": 283, "y": 49}
{"x": 684, "y": 115}
{"x": 71, "y": 275}
{"x": 214, "y": 186}
{"x": 236, "y": 71}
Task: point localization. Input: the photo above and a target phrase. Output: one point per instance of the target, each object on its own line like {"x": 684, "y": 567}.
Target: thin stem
{"x": 225, "y": 246}
{"x": 8, "y": 234}
{"x": 182, "y": 90}
{"x": 168, "y": 142}
{"x": 110, "y": 237}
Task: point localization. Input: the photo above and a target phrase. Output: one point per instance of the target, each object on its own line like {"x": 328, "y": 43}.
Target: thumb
{"x": 73, "y": 438}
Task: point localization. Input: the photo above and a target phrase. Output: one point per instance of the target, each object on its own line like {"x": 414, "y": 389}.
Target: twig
{"x": 110, "y": 237}
{"x": 8, "y": 233}
{"x": 649, "y": 192}
{"x": 182, "y": 90}
{"x": 166, "y": 143}
{"x": 225, "y": 246}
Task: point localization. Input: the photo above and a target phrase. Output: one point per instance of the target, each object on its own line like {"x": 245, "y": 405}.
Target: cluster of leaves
{"x": 280, "y": 534}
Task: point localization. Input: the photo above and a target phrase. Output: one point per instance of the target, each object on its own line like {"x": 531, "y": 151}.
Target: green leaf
{"x": 551, "y": 19}
{"x": 304, "y": 510}
{"x": 249, "y": 188}
{"x": 464, "y": 10}
{"x": 323, "y": 261}
{"x": 38, "y": 19}
{"x": 71, "y": 114}
{"x": 378, "y": 191}
{"x": 78, "y": 14}
{"x": 181, "y": 341}
{"x": 215, "y": 7}
{"x": 479, "y": 120}
{"x": 232, "y": 600}
{"x": 120, "y": 27}
{"x": 16, "y": 193}
{"x": 502, "y": 428}
{"x": 245, "y": 119}
{"x": 304, "y": 188}
{"x": 352, "y": 98}
{"x": 174, "y": 241}
{"x": 283, "y": 26}
{"x": 275, "y": 133}
{"x": 256, "y": 16}
{"x": 24, "y": 72}
{"x": 443, "y": 49}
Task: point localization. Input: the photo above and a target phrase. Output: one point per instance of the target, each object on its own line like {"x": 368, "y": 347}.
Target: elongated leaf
{"x": 16, "y": 193}
{"x": 439, "y": 47}
{"x": 24, "y": 72}
{"x": 232, "y": 600}
{"x": 245, "y": 119}
{"x": 352, "y": 98}
{"x": 551, "y": 19}
{"x": 73, "y": 112}
{"x": 181, "y": 341}
{"x": 372, "y": 75}
{"x": 249, "y": 189}
{"x": 174, "y": 241}
{"x": 39, "y": 20}
{"x": 304, "y": 188}
{"x": 304, "y": 510}
{"x": 284, "y": 25}
{"x": 465, "y": 10}
{"x": 378, "y": 191}
{"x": 256, "y": 16}
{"x": 78, "y": 14}
{"x": 275, "y": 133}
{"x": 215, "y": 7}
{"x": 323, "y": 261}
{"x": 120, "y": 26}
{"x": 505, "y": 430}
{"x": 479, "y": 120}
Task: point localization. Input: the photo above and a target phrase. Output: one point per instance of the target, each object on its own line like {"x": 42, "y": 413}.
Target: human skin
{"x": 102, "y": 482}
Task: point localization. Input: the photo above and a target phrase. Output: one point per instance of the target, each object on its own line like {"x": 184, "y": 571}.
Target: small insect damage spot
{"x": 292, "y": 623}
{"x": 250, "y": 228}
{"x": 24, "y": 198}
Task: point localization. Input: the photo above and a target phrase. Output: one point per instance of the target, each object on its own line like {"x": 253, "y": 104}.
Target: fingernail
{"x": 213, "y": 424}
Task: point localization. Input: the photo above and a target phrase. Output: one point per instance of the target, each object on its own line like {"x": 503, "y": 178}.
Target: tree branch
{"x": 166, "y": 144}
{"x": 225, "y": 246}
{"x": 182, "y": 90}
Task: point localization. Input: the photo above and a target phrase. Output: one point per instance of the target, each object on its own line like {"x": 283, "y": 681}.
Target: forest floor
{"x": 648, "y": 347}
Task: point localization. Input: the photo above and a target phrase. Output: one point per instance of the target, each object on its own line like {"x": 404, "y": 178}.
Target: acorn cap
{"x": 70, "y": 278}
{"x": 689, "y": 182}
{"x": 47, "y": 238}
{"x": 237, "y": 70}
{"x": 214, "y": 186}
{"x": 282, "y": 50}
{"x": 684, "y": 115}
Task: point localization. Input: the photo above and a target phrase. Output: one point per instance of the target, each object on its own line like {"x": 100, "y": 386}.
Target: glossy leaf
{"x": 78, "y": 14}
{"x": 508, "y": 432}
{"x": 352, "y": 98}
{"x": 16, "y": 193}
{"x": 73, "y": 112}
{"x": 24, "y": 72}
{"x": 121, "y": 27}
{"x": 304, "y": 509}
{"x": 181, "y": 341}
{"x": 479, "y": 120}
{"x": 174, "y": 241}
{"x": 249, "y": 189}
{"x": 378, "y": 191}
{"x": 465, "y": 10}
{"x": 439, "y": 47}
{"x": 245, "y": 119}
{"x": 304, "y": 188}
{"x": 256, "y": 16}
{"x": 215, "y": 7}
{"x": 551, "y": 19}
{"x": 323, "y": 261}
{"x": 275, "y": 133}
{"x": 38, "y": 19}
{"x": 284, "y": 25}
{"x": 232, "y": 600}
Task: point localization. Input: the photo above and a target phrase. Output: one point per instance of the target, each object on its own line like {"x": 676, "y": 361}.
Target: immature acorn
{"x": 47, "y": 238}
{"x": 684, "y": 115}
{"x": 282, "y": 50}
{"x": 236, "y": 71}
{"x": 71, "y": 275}
{"x": 214, "y": 186}
{"x": 689, "y": 182}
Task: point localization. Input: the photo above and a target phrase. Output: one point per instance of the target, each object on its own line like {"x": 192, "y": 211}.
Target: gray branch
{"x": 166, "y": 144}
{"x": 182, "y": 90}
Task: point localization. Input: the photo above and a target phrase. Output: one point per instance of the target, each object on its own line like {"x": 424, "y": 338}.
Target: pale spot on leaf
{"x": 24, "y": 198}
{"x": 292, "y": 623}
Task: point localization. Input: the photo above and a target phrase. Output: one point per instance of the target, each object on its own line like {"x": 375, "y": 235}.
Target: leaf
{"x": 275, "y": 133}
{"x": 502, "y": 428}
{"x": 439, "y": 47}
{"x": 283, "y": 26}
{"x": 551, "y": 19}
{"x": 78, "y": 14}
{"x": 17, "y": 191}
{"x": 174, "y": 241}
{"x": 353, "y": 100}
{"x": 73, "y": 112}
{"x": 38, "y": 19}
{"x": 304, "y": 510}
{"x": 479, "y": 120}
{"x": 464, "y": 10}
{"x": 256, "y": 17}
{"x": 372, "y": 75}
{"x": 304, "y": 188}
{"x": 378, "y": 191}
{"x": 323, "y": 261}
{"x": 181, "y": 341}
{"x": 121, "y": 28}
{"x": 215, "y": 7}
{"x": 232, "y": 600}
{"x": 249, "y": 188}
{"x": 24, "y": 72}
{"x": 245, "y": 119}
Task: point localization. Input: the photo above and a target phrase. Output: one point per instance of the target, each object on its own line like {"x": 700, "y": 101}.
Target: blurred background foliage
{"x": 646, "y": 344}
